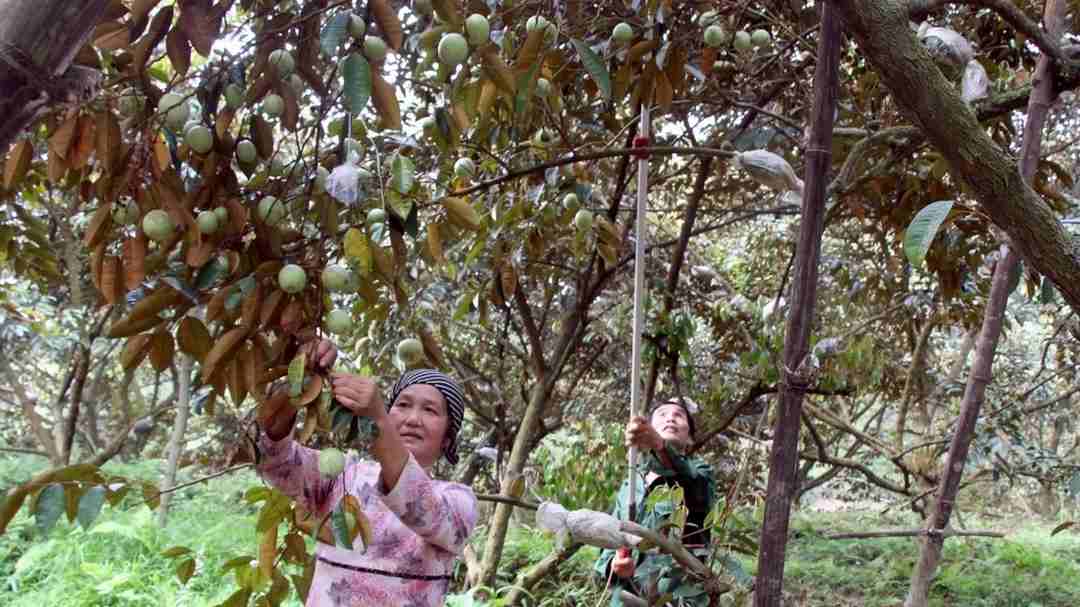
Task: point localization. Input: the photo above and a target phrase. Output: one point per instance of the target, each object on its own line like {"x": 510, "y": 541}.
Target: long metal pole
{"x": 639, "y": 297}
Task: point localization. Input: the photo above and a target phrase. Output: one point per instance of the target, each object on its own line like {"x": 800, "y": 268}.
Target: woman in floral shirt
{"x": 419, "y": 525}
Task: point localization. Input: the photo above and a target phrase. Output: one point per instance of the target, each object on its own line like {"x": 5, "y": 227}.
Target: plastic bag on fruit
{"x": 344, "y": 181}
{"x": 946, "y": 45}
{"x": 586, "y": 526}
{"x": 976, "y": 82}
{"x": 770, "y": 170}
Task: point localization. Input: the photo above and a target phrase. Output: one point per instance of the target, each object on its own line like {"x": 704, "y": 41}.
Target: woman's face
{"x": 671, "y": 423}
{"x": 419, "y": 414}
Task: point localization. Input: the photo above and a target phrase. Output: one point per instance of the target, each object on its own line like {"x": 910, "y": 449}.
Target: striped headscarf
{"x": 451, "y": 393}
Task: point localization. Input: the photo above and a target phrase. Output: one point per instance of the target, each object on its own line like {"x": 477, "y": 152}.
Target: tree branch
{"x": 911, "y": 533}
{"x": 1007, "y": 10}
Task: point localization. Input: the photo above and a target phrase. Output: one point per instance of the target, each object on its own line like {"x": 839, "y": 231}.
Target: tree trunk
{"x": 176, "y": 442}
{"x": 797, "y": 372}
{"x": 1038, "y": 107}
{"x": 42, "y": 37}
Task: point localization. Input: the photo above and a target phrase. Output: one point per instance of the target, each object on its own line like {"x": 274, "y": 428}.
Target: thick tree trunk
{"x": 176, "y": 442}
{"x": 797, "y": 372}
{"x": 38, "y": 40}
{"x": 1038, "y": 107}
{"x": 933, "y": 103}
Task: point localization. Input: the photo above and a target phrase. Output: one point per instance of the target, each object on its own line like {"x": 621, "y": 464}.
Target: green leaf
{"x": 210, "y": 272}
{"x": 90, "y": 506}
{"x": 357, "y": 74}
{"x": 922, "y": 230}
{"x": 333, "y": 33}
{"x": 296, "y": 375}
{"x": 595, "y": 65}
{"x": 49, "y": 507}
{"x": 402, "y": 173}
{"x": 525, "y": 85}
{"x": 340, "y": 527}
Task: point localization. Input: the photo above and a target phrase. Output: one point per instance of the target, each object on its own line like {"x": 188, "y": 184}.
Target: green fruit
{"x": 760, "y": 38}
{"x": 208, "y": 222}
{"x": 535, "y": 22}
{"x": 131, "y": 104}
{"x": 292, "y": 278}
{"x": 338, "y": 322}
{"x": 124, "y": 213}
{"x": 158, "y": 226}
{"x": 277, "y": 167}
{"x": 331, "y": 463}
{"x": 274, "y": 104}
{"x": 715, "y": 36}
{"x": 172, "y": 100}
{"x": 571, "y": 200}
{"x": 222, "y": 214}
{"x": 422, "y": 6}
{"x": 177, "y": 117}
{"x": 283, "y": 62}
{"x": 199, "y": 138}
{"x": 245, "y": 152}
{"x": 464, "y": 167}
{"x": 583, "y": 220}
{"x": 321, "y": 175}
{"x": 271, "y": 210}
{"x": 374, "y": 48}
{"x": 543, "y": 87}
{"x": 708, "y": 18}
{"x": 335, "y": 278}
{"x": 453, "y": 49}
{"x": 376, "y": 216}
{"x": 234, "y": 96}
{"x": 410, "y": 351}
{"x": 623, "y": 33}
{"x": 357, "y": 27}
{"x": 478, "y": 28}
{"x": 550, "y": 32}
{"x": 742, "y": 41}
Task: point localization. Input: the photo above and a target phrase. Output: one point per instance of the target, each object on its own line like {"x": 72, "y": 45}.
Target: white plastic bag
{"x": 770, "y": 170}
{"x": 551, "y": 517}
{"x": 344, "y": 181}
{"x": 596, "y": 529}
{"x": 976, "y": 82}
{"x": 946, "y": 45}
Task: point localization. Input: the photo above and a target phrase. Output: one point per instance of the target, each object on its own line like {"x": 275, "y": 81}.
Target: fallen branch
{"x": 911, "y": 533}
{"x": 502, "y": 499}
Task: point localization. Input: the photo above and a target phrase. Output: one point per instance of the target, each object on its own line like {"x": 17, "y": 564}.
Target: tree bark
{"x": 884, "y": 36}
{"x": 176, "y": 442}
{"x": 1038, "y": 107}
{"x": 42, "y": 37}
{"x": 797, "y": 373}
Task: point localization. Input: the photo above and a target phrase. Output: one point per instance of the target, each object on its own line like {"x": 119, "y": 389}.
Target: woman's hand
{"x": 359, "y": 394}
{"x": 321, "y": 353}
{"x": 623, "y": 563}
{"x": 641, "y": 434}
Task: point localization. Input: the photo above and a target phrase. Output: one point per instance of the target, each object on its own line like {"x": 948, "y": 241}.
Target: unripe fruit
{"x": 271, "y": 210}
{"x": 715, "y": 36}
{"x": 760, "y": 38}
{"x": 222, "y": 214}
{"x": 453, "y": 49}
{"x": 234, "y": 96}
{"x": 742, "y": 41}
{"x": 335, "y": 278}
{"x": 357, "y": 27}
{"x": 277, "y": 167}
{"x": 374, "y": 48}
{"x": 543, "y": 87}
{"x": 124, "y": 213}
{"x": 623, "y": 33}
{"x": 131, "y": 104}
{"x": 177, "y": 117}
{"x": 570, "y": 200}
{"x": 375, "y": 217}
{"x": 535, "y": 22}
{"x": 199, "y": 139}
{"x": 157, "y": 225}
{"x": 708, "y": 18}
{"x": 464, "y": 167}
{"x": 478, "y": 28}
{"x": 331, "y": 463}
{"x": 292, "y": 278}
{"x": 410, "y": 351}
{"x": 283, "y": 62}
{"x": 338, "y": 322}
{"x": 583, "y": 220}
{"x": 422, "y": 6}
{"x": 321, "y": 175}
{"x": 245, "y": 152}
{"x": 170, "y": 101}
{"x": 208, "y": 222}
{"x": 274, "y": 104}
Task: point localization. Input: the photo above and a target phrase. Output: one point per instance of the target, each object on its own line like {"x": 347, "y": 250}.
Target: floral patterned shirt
{"x": 418, "y": 529}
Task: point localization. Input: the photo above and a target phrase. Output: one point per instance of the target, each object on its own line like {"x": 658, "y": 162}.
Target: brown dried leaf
{"x": 386, "y": 103}
{"x": 159, "y": 27}
{"x": 193, "y": 338}
{"x": 529, "y": 52}
{"x": 262, "y": 134}
{"x": 461, "y": 213}
{"x": 63, "y": 139}
{"x": 431, "y": 347}
{"x": 496, "y": 69}
{"x": 201, "y": 23}
{"x": 222, "y": 348}
{"x": 135, "y": 351}
{"x": 387, "y": 18}
{"x": 111, "y": 280}
{"x": 17, "y": 163}
{"x": 271, "y": 308}
{"x": 508, "y": 279}
{"x": 111, "y": 36}
{"x": 107, "y": 140}
{"x": 99, "y": 226}
{"x": 179, "y": 50}
{"x": 84, "y": 143}
{"x": 311, "y": 391}
{"x": 434, "y": 244}
{"x": 268, "y": 551}
{"x": 162, "y": 349}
